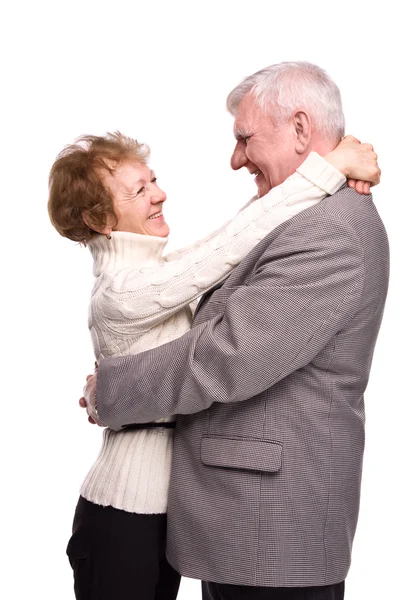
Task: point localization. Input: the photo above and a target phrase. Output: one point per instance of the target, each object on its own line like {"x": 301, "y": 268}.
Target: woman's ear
{"x": 303, "y": 129}
{"x": 107, "y": 229}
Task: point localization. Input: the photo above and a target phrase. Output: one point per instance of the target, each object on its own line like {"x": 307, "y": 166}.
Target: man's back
{"x": 266, "y": 491}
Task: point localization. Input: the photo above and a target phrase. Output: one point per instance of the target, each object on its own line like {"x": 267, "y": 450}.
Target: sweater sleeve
{"x": 315, "y": 169}
{"x": 180, "y": 252}
{"x": 140, "y": 298}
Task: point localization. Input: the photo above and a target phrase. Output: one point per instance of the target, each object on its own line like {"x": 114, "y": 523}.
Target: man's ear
{"x": 303, "y": 130}
{"x": 107, "y": 229}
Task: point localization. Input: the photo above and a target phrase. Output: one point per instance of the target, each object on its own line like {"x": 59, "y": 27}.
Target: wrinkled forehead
{"x": 248, "y": 114}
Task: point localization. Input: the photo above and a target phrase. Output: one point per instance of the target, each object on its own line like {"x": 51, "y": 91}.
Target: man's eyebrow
{"x": 241, "y": 134}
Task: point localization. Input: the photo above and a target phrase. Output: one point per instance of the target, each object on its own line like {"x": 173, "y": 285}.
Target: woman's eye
{"x": 140, "y": 190}
{"x": 153, "y": 180}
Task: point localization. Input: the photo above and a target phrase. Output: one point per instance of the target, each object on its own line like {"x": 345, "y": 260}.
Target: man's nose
{"x": 238, "y": 158}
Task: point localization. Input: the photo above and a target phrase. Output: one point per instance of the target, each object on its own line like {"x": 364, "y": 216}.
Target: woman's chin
{"x": 162, "y": 231}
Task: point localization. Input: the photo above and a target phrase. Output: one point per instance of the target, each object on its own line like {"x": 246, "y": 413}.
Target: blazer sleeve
{"x": 140, "y": 298}
{"x": 306, "y": 287}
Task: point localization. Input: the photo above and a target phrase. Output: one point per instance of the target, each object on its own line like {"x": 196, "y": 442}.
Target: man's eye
{"x": 247, "y": 139}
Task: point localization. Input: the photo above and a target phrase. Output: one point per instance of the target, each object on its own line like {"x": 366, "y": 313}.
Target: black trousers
{"x": 222, "y": 591}
{"x": 118, "y": 555}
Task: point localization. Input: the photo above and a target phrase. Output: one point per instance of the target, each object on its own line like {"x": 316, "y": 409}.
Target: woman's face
{"x": 137, "y": 199}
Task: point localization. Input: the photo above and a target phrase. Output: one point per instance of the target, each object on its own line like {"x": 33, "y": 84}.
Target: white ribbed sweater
{"x": 141, "y": 300}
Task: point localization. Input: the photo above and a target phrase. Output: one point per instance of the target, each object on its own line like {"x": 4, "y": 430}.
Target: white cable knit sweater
{"x": 141, "y": 299}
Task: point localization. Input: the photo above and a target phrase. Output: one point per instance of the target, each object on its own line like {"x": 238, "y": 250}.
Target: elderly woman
{"x": 103, "y": 194}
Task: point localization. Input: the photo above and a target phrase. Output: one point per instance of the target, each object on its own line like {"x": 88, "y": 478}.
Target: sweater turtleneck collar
{"x": 125, "y": 249}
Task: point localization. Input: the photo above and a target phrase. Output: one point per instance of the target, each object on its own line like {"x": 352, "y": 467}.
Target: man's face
{"x": 264, "y": 148}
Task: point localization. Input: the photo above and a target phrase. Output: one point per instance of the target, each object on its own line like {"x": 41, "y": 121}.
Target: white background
{"x": 160, "y": 71}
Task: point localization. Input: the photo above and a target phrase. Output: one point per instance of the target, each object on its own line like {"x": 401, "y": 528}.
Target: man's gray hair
{"x": 288, "y": 86}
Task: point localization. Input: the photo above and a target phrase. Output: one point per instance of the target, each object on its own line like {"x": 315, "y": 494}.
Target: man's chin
{"x": 262, "y": 190}
{"x": 263, "y": 187}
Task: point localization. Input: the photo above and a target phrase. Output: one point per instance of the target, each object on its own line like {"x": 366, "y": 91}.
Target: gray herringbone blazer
{"x": 268, "y": 386}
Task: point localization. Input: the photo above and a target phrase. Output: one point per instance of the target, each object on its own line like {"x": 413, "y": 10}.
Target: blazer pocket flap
{"x": 241, "y": 453}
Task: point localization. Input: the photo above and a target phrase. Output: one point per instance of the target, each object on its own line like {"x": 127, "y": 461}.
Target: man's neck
{"x": 322, "y": 147}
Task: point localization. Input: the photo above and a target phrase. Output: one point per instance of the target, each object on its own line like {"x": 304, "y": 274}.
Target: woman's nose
{"x": 159, "y": 196}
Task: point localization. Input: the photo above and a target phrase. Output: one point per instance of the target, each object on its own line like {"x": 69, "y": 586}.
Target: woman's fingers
{"x": 361, "y": 187}
{"x": 350, "y": 138}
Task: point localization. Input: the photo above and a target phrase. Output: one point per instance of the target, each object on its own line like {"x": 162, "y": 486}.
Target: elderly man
{"x": 268, "y": 385}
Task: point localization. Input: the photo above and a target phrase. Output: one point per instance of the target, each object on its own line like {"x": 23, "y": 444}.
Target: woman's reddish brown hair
{"x": 75, "y": 186}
